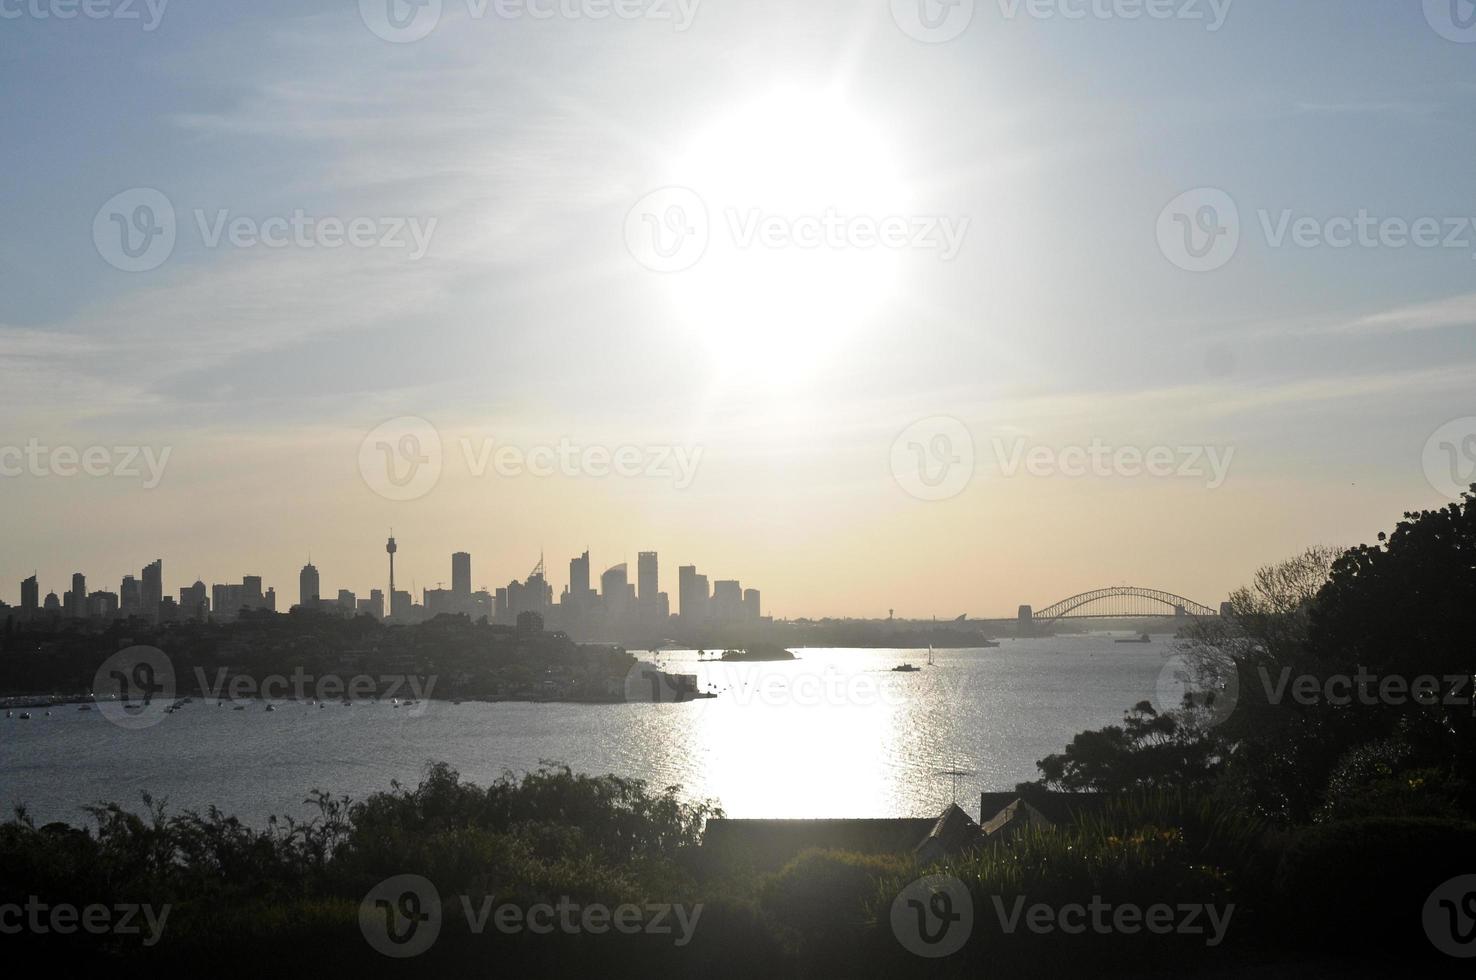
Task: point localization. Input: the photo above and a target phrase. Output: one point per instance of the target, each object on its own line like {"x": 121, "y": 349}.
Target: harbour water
{"x": 834, "y": 733}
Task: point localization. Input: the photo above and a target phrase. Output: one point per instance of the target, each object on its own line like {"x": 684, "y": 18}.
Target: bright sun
{"x": 792, "y": 182}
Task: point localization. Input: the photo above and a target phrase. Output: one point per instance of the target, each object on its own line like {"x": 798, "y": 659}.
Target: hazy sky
{"x": 900, "y": 230}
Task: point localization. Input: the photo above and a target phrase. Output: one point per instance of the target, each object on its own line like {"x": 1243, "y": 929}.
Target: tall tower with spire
{"x": 391, "y": 548}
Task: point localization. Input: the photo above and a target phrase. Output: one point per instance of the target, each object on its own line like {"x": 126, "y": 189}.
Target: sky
{"x": 882, "y": 305}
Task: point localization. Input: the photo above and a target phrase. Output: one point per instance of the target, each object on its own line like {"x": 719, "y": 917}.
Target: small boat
{"x": 85, "y": 707}
{"x": 988, "y": 644}
{"x": 271, "y": 707}
{"x": 906, "y": 669}
{"x": 1141, "y": 638}
{"x": 240, "y": 707}
{"x": 25, "y": 716}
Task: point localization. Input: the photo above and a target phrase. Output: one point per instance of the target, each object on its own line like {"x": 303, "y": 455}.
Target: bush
{"x": 1358, "y": 886}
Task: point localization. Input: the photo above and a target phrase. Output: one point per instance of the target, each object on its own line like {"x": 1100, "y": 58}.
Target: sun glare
{"x": 793, "y": 183}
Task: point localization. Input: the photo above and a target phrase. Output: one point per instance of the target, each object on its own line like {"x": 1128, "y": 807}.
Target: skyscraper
{"x": 309, "y": 588}
{"x": 727, "y": 601}
{"x": 194, "y": 602}
{"x": 130, "y": 597}
{"x": 151, "y": 592}
{"x": 30, "y": 598}
{"x": 646, "y": 577}
{"x": 75, "y": 601}
{"x": 579, "y": 577}
{"x": 461, "y": 573}
{"x": 691, "y": 594}
{"x": 752, "y": 605}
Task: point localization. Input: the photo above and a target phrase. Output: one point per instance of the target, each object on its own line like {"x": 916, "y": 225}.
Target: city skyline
{"x": 148, "y": 594}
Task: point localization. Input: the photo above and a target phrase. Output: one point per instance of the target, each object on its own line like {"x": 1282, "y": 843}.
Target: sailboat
{"x": 930, "y": 656}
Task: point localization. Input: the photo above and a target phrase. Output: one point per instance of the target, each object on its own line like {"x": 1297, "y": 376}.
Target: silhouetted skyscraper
{"x": 30, "y": 598}
{"x": 692, "y": 594}
{"x": 727, "y": 601}
{"x": 579, "y": 577}
{"x": 130, "y": 597}
{"x": 151, "y": 592}
{"x": 647, "y": 577}
{"x": 461, "y": 573}
{"x": 309, "y": 588}
{"x": 75, "y": 601}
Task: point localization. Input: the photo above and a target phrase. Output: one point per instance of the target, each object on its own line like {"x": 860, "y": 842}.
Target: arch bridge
{"x": 1118, "y": 602}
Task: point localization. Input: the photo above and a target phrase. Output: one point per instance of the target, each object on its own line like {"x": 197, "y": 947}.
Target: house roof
{"x": 1055, "y": 807}
{"x": 954, "y": 831}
